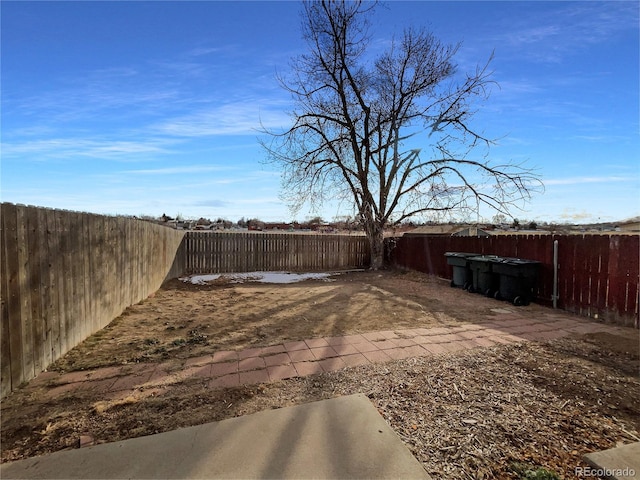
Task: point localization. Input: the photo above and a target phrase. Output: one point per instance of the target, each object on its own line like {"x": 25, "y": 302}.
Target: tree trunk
{"x": 375, "y": 234}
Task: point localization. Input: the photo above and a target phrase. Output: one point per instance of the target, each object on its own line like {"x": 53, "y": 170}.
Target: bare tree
{"x": 356, "y": 115}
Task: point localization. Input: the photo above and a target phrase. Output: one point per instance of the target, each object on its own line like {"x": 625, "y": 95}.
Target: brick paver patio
{"x": 315, "y": 355}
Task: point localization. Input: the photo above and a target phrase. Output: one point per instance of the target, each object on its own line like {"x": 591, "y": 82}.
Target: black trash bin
{"x": 517, "y": 279}
{"x": 462, "y": 275}
{"x": 485, "y": 281}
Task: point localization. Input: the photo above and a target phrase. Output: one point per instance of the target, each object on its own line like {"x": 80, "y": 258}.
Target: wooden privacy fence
{"x": 227, "y": 252}
{"x": 598, "y": 275}
{"x": 65, "y": 275}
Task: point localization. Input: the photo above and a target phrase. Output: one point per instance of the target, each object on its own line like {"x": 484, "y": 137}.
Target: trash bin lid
{"x": 515, "y": 261}
{"x": 485, "y": 258}
{"x": 460, "y": 254}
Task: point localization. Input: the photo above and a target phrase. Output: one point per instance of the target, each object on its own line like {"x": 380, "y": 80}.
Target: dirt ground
{"x": 185, "y": 320}
{"x": 483, "y": 413}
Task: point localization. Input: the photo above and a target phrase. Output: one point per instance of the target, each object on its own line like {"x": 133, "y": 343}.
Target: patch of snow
{"x": 262, "y": 277}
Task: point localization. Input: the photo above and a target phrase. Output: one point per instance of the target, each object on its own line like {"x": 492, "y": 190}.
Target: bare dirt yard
{"x": 494, "y": 412}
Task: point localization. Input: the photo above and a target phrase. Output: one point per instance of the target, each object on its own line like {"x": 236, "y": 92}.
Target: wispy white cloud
{"x": 81, "y": 147}
{"x": 576, "y": 216}
{"x": 210, "y": 203}
{"x": 30, "y": 131}
{"x": 182, "y": 97}
{"x": 549, "y": 34}
{"x": 151, "y": 88}
{"x": 512, "y": 87}
{"x": 177, "y": 170}
{"x": 206, "y": 50}
{"x": 181, "y": 69}
{"x": 598, "y": 21}
{"x": 532, "y": 35}
{"x": 583, "y": 180}
{"x": 92, "y": 102}
{"x": 245, "y": 117}
{"x": 600, "y": 138}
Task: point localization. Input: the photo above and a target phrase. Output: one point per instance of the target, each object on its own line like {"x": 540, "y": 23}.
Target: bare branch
{"x": 354, "y": 120}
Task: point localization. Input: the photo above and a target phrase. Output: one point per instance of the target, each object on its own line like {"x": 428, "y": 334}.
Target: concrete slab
{"x": 343, "y": 437}
{"x": 617, "y": 463}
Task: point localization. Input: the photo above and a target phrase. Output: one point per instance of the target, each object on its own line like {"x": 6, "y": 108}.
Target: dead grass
{"x": 476, "y": 414}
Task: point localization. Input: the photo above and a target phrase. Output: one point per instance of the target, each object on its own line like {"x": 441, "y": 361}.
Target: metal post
{"x": 555, "y": 274}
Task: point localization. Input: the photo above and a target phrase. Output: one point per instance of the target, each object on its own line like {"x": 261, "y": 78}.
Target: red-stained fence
{"x": 598, "y": 275}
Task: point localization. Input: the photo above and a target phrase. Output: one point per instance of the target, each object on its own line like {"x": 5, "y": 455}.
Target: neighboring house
{"x": 444, "y": 229}
{"x": 630, "y": 226}
{"x": 200, "y": 226}
{"x": 256, "y": 225}
{"x": 450, "y": 229}
{"x": 278, "y": 226}
{"x": 472, "y": 232}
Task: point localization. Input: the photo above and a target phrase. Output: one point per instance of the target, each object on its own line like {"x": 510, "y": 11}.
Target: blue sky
{"x": 145, "y": 108}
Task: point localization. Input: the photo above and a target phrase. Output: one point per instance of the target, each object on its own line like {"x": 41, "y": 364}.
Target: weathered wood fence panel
{"x": 228, "y": 252}
{"x": 598, "y": 275}
{"x": 65, "y": 275}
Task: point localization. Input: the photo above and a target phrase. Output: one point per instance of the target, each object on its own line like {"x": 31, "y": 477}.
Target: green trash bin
{"x": 485, "y": 281}
{"x": 462, "y": 275}
{"x": 517, "y": 279}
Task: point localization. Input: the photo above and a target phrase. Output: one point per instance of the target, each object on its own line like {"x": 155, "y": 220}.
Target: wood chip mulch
{"x": 476, "y": 414}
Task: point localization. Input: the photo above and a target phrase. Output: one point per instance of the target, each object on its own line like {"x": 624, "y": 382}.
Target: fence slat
{"x": 227, "y": 252}
{"x": 12, "y": 365}
{"x": 25, "y": 298}
{"x": 64, "y": 275}
{"x": 67, "y": 274}
{"x": 45, "y": 287}
{"x": 35, "y": 253}
{"x": 53, "y": 258}
{"x": 598, "y": 274}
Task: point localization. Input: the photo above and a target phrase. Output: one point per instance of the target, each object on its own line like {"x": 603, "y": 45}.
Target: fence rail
{"x": 65, "y": 275}
{"x": 598, "y": 275}
{"x": 227, "y": 252}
